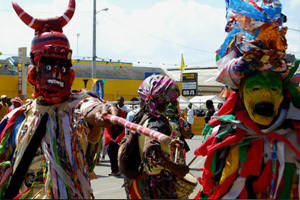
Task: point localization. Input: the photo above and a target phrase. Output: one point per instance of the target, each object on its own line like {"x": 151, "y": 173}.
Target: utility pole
{"x": 94, "y": 44}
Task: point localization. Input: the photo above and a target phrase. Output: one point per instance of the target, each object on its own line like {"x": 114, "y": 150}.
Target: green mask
{"x": 262, "y": 96}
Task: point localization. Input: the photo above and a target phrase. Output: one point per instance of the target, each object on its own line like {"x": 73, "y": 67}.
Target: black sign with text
{"x": 189, "y": 84}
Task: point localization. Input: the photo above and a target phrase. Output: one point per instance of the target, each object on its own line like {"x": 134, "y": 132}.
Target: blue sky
{"x": 144, "y": 32}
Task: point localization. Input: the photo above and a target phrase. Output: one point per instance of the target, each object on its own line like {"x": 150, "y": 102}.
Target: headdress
{"x": 255, "y": 41}
{"x": 49, "y": 40}
{"x": 49, "y": 47}
{"x": 158, "y": 89}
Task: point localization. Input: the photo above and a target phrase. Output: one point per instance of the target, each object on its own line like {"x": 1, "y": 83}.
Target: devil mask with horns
{"x": 50, "y": 71}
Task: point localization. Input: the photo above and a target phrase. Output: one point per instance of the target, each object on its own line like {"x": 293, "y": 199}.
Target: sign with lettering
{"x": 189, "y": 84}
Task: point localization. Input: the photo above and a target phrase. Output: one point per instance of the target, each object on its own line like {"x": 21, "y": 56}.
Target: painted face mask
{"x": 54, "y": 80}
{"x": 50, "y": 71}
{"x": 262, "y": 96}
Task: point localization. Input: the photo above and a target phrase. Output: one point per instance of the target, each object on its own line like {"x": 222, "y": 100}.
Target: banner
{"x": 100, "y": 88}
{"x": 182, "y": 65}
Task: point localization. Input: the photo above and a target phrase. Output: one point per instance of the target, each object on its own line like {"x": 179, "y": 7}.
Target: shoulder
{"x": 159, "y": 124}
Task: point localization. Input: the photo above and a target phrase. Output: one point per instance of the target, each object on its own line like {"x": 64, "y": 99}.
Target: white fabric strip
{"x": 236, "y": 188}
{"x": 60, "y": 171}
{"x": 280, "y": 156}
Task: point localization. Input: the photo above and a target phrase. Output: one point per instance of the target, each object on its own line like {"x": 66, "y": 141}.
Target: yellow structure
{"x": 103, "y": 63}
{"x": 113, "y": 88}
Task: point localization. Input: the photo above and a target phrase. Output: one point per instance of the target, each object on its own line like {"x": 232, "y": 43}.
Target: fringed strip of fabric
{"x": 60, "y": 171}
{"x": 67, "y": 134}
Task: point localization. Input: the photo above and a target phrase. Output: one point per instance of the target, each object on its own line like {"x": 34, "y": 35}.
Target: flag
{"x": 182, "y": 65}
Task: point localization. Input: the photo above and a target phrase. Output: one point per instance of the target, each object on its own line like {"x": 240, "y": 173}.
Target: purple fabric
{"x": 158, "y": 89}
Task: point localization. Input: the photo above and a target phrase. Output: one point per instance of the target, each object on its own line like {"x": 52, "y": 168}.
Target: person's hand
{"x": 95, "y": 117}
{"x": 176, "y": 143}
{"x": 97, "y": 122}
{"x": 181, "y": 170}
{"x": 102, "y": 110}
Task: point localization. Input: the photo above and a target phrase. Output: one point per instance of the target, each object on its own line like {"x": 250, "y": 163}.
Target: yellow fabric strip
{"x": 232, "y": 163}
{"x": 136, "y": 189}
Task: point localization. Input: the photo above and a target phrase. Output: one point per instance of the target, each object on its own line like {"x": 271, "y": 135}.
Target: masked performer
{"x": 158, "y": 176}
{"x": 253, "y": 147}
{"x": 48, "y": 145}
{"x": 180, "y": 130}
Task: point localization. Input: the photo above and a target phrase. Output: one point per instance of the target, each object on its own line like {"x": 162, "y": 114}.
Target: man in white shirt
{"x": 190, "y": 115}
{"x": 133, "y": 112}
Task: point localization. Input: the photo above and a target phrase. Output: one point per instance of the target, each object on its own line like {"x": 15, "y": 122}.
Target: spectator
{"x": 132, "y": 113}
{"x": 120, "y": 103}
{"x": 190, "y": 115}
{"x": 16, "y": 102}
{"x": 210, "y": 110}
{"x": 113, "y": 136}
{"x": 3, "y": 106}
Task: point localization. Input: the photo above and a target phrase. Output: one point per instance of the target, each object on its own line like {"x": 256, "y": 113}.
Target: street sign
{"x": 189, "y": 84}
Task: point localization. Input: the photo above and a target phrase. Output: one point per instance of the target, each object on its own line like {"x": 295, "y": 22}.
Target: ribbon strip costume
{"x": 253, "y": 146}
{"x": 66, "y": 155}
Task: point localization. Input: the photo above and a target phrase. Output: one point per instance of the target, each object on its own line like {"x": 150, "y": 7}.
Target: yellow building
{"x": 118, "y": 78}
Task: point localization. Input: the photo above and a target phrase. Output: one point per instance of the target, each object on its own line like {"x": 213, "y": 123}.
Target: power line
{"x": 294, "y": 29}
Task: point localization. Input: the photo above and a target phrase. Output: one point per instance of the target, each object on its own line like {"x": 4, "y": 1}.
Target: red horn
{"x": 25, "y": 17}
{"x": 67, "y": 16}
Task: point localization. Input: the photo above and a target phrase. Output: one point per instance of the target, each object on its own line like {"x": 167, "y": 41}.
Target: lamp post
{"x": 78, "y": 34}
{"x": 94, "y": 39}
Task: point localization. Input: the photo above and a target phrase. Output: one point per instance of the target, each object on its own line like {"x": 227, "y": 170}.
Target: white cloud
{"x": 157, "y": 34}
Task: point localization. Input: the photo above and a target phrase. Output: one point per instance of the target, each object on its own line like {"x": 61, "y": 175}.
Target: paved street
{"x": 109, "y": 187}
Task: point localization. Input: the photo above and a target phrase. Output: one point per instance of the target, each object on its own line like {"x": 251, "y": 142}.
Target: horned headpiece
{"x": 49, "y": 39}
{"x": 50, "y": 72}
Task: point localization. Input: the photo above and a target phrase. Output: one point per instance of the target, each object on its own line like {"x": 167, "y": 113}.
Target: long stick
{"x": 192, "y": 161}
{"x": 138, "y": 128}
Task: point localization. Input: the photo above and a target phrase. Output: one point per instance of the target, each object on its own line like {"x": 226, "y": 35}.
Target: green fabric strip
{"x": 243, "y": 149}
{"x": 207, "y": 130}
{"x": 227, "y": 118}
{"x": 213, "y": 164}
{"x": 4, "y": 141}
{"x": 203, "y": 196}
{"x": 288, "y": 175}
{"x": 224, "y": 133}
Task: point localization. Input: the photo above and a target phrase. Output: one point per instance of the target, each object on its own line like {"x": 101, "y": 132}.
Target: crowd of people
{"x": 50, "y": 144}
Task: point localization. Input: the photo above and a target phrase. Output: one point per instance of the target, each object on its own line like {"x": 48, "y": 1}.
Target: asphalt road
{"x": 110, "y": 187}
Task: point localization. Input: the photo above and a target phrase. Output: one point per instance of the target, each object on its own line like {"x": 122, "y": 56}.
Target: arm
{"x": 153, "y": 151}
{"x": 93, "y": 113}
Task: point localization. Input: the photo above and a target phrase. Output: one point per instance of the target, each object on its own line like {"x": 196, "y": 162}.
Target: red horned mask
{"x": 50, "y": 72}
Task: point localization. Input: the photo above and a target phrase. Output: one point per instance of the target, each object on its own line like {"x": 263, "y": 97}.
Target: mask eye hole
{"x": 255, "y": 89}
{"x": 48, "y": 68}
{"x": 274, "y": 89}
{"x": 64, "y": 69}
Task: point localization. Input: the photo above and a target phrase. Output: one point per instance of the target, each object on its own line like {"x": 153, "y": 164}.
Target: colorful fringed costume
{"x": 252, "y": 148}
{"x": 65, "y": 158}
{"x": 244, "y": 161}
{"x": 49, "y": 146}
{"x": 157, "y": 179}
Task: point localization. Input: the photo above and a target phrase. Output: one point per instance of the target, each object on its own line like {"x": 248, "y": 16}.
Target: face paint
{"x": 54, "y": 80}
{"x": 262, "y": 96}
